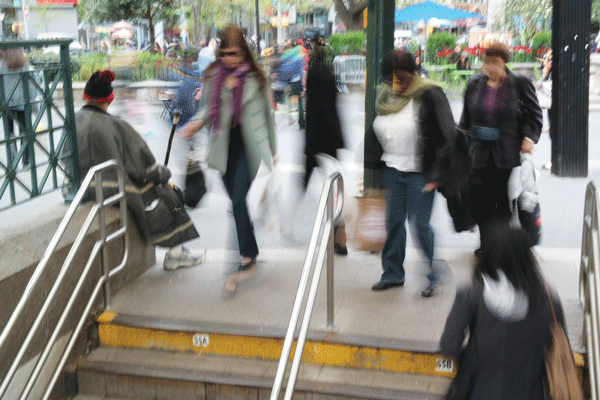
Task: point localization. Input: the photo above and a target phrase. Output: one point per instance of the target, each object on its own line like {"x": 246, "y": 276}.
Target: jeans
{"x": 406, "y": 199}
{"x": 237, "y": 182}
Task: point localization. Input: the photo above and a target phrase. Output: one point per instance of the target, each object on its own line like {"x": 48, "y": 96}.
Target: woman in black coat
{"x": 502, "y": 115}
{"x": 323, "y": 129}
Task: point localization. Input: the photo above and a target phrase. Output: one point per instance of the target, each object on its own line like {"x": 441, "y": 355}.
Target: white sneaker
{"x": 186, "y": 260}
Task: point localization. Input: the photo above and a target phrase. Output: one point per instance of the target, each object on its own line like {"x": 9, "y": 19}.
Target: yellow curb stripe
{"x": 107, "y": 317}
{"x": 322, "y": 353}
{"x": 335, "y": 354}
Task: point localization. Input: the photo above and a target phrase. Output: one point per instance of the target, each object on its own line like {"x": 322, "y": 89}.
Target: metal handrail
{"x": 322, "y": 236}
{"x": 589, "y": 284}
{"x": 98, "y": 210}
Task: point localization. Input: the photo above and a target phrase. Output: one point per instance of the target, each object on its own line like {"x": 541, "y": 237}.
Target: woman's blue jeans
{"x": 406, "y": 200}
{"x": 237, "y": 182}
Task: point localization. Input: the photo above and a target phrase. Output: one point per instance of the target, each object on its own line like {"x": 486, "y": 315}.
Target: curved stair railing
{"x": 321, "y": 240}
{"x": 99, "y": 249}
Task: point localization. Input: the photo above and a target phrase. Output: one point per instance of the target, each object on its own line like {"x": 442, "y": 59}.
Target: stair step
{"x": 152, "y": 374}
{"x": 255, "y": 342}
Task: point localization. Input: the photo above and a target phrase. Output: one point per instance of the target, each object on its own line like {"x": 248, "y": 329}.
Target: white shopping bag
{"x": 268, "y": 213}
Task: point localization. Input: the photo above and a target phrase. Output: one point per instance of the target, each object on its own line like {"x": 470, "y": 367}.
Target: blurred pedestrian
{"x": 416, "y": 130}
{"x": 455, "y": 55}
{"x": 323, "y": 128}
{"x": 503, "y": 117}
{"x": 545, "y": 89}
{"x": 209, "y": 52}
{"x": 506, "y": 312}
{"x": 235, "y": 106}
{"x": 290, "y": 72}
{"x": 420, "y": 70}
{"x": 463, "y": 62}
{"x": 13, "y": 60}
{"x": 102, "y": 137}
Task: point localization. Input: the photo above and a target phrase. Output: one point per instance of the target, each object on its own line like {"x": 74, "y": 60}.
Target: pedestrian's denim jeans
{"x": 406, "y": 199}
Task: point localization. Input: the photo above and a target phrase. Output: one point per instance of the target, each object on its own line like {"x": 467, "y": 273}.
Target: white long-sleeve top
{"x": 399, "y": 136}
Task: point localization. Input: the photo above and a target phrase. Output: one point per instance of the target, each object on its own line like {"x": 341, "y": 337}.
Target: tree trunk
{"x": 352, "y": 15}
{"x": 198, "y": 23}
{"x": 151, "y": 29}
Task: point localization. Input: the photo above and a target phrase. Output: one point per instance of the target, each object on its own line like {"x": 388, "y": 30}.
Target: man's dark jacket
{"x": 102, "y": 137}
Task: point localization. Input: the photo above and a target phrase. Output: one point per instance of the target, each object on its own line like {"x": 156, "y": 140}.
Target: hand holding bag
{"x": 561, "y": 371}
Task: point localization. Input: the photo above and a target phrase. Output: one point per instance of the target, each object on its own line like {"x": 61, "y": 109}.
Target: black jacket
{"x": 506, "y": 359}
{"x": 438, "y": 130}
{"x": 323, "y": 129}
{"x": 518, "y": 115}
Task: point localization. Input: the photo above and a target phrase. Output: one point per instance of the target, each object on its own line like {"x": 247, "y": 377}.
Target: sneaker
{"x": 430, "y": 290}
{"x": 185, "y": 260}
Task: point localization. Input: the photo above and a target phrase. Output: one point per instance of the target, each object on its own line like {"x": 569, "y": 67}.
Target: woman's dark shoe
{"x": 340, "y": 250}
{"x": 430, "y": 290}
{"x": 248, "y": 265}
{"x": 381, "y": 285}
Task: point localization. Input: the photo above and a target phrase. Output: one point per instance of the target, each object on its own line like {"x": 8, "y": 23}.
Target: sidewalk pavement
{"x": 195, "y": 294}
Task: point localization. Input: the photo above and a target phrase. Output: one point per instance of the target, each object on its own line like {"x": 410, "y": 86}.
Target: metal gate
{"x": 38, "y": 150}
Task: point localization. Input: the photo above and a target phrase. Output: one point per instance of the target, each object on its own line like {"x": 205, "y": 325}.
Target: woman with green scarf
{"x": 416, "y": 130}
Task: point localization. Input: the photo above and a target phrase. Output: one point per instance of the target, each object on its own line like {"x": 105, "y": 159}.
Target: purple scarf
{"x": 218, "y": 80}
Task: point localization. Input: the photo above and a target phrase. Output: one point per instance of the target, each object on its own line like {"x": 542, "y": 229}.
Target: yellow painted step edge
{"x": 322, "y": 353}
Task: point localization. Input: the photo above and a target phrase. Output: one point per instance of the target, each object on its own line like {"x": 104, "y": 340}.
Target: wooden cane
{"x": 176, "y": 115}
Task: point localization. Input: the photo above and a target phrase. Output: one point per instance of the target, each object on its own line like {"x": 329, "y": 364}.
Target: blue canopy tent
{"x": 426, "y": 10}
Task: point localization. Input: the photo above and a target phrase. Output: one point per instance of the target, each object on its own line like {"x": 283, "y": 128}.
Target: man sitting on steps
{"x": 102, "y": 137}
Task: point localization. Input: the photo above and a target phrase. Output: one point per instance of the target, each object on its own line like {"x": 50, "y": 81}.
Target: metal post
{"x": 570, "y": 87}
{"x": 10, "y": 162}
{"x": 257, "y": 30}
{"x": 29, "y": 134}
{"x": 330, "y": 327}
{"x": 47, "y": 102}
{"x": 279, "y": 32}
{"x": 102, "y": 239}
{"x": 69, "y": 126}
{"x": 380, "y": 40}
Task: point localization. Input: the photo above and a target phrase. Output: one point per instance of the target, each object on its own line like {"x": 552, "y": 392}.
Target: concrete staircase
{"x": 150, "y": 359}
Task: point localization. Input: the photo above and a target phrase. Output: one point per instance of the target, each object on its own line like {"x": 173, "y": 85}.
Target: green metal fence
{"x": 41, "y": 153}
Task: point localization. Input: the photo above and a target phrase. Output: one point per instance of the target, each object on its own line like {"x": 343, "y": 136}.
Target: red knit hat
{"x": 98, "y": 88}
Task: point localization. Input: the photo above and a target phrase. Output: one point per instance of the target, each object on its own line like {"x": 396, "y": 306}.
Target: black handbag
{"x": 169, "y": 223}
{"x": 195, "y": 182}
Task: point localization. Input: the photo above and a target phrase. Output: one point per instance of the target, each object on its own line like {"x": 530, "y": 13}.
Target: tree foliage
{"x": 528, "y": 17}
{"x": 150, "y": 11}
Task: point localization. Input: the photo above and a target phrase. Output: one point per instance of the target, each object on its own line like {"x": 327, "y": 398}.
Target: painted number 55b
{"x": 444, "y": 365}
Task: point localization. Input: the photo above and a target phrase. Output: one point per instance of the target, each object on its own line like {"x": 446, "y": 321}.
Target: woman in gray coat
{"x": 507, "y": 314}
{"x": 235, "y": 106}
